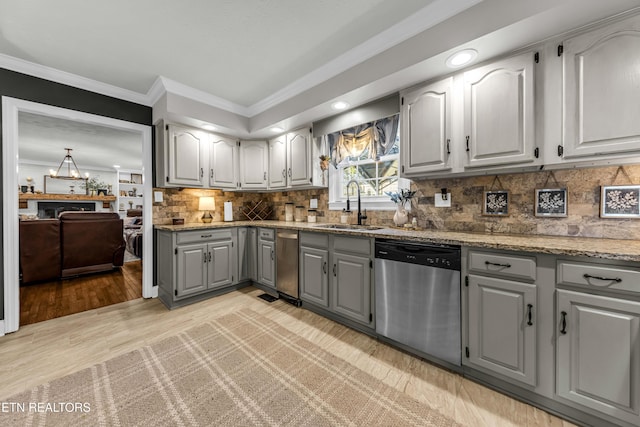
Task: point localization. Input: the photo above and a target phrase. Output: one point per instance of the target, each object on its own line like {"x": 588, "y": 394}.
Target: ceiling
{"x": 43, "y": 139}
{"x": 258, "y": 63}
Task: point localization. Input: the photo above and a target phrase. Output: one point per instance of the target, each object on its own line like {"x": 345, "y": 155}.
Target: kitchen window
{"x": 364, "y": 154}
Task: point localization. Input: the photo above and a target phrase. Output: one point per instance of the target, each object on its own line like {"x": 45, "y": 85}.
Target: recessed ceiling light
{"x": 208, "y": 127}
{"x": 277, "y": 129}
{"x": 461, "y": 58}
{"x": 116, "y": 166}
{"x": 339, "y": 105}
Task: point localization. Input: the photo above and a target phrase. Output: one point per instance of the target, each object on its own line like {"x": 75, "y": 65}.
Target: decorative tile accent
{"x": 465, "y": 213}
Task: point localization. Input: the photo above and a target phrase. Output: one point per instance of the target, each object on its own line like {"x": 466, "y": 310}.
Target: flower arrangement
{"x": 324, "y": 162}
{"x": 401, "y": 197}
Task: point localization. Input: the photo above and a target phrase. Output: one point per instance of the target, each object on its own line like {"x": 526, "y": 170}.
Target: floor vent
{"x": 267, "y": 297}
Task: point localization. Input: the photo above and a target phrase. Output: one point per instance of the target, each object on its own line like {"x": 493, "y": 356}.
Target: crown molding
{"x": 178, "y": 88}
{"x": 69, "y": 79}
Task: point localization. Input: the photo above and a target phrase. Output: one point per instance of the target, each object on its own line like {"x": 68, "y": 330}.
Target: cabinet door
{"x": 314, "y": 279}
{"x": 223, "y": 170}
{"x": 502, "y": 327}
{"x": 598, "y": 354}
{"x": 266, "y": 263}
{"x": 278, "y": 162}
{"x": 191, "y": 270}
{"x": 253, "y": 164}
{"x": 351, "y": 287}
{"x": 220, "y": 264}
{"x": 499, "y": 113}
{"x": 426, "y": 129}
{"x": 601, "y": 91}
{"x": 185, "y": 157}
{"x": 299, "y": 158}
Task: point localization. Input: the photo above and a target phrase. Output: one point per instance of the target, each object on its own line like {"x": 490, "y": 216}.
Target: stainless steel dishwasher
{"x": 418, "y": 298}
{"x": 287, "y": 265}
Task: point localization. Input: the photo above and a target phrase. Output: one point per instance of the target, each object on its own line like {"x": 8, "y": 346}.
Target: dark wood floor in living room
{"x": 48, "y": 300}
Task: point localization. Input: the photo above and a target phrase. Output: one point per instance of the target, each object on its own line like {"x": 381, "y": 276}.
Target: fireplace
{"x": 53, "y": 209}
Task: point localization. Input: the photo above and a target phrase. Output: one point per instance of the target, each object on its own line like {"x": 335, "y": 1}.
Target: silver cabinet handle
{"x": 264, "y": 178}
{"x": 271, "y": 254}
{"x": 289, "y": 172}
{"x": 204, "y": 258}
{"x": 201, "y": 172}
{"x": 211, "y": 175}
{"x": 209, "y": 256}
{"x": 497, "y": 264}
{"x": 284, "y": 173}
{"x": 324, "y": 267}
{"x": 334, "y": 270}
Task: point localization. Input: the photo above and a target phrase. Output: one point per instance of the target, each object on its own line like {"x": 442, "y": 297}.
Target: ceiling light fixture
{"x": 277, "y": 129}
{"x": 116, "y": 166}
{"x": 339, "y": 105}
{"x": 461, "y": 58}
{"x": 71, "y": 173}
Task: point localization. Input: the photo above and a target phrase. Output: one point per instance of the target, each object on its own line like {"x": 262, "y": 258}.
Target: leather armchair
{"x": 40, "y": 256}
{"x": 91, "y": 242}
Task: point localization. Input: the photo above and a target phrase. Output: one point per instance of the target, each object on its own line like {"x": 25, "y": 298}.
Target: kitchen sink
{"x": 350, "y": 227}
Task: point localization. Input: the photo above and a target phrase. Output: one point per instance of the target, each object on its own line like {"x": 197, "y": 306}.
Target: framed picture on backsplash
{"x": 551, "y": 202}
{"x": 619, "y": 201}
{"x": 496, "y": 203}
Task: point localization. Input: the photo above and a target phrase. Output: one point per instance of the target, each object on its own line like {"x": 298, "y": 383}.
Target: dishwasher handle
{"x": 292, "y": 235}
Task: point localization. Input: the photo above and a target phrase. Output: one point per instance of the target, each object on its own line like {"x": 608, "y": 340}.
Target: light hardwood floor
{"x": 43, "y": 351}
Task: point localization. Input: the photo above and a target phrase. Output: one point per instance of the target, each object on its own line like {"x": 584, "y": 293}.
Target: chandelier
{"x": 72, "y": 173}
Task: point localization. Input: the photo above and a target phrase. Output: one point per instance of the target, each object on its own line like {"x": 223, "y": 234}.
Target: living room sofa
{"x": 76, "y": 243}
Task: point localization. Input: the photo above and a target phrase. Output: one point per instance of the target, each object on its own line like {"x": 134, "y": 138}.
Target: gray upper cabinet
{"x": 184, "y": 157}
{"x": 499, "y": 113}
{"x": 254, "y": 158}
{"x": 426, "y": 129}
{"x": 502, "y": 327}
{"x": 299, "y": 158}
{"x": 601, "y": 91}
{"x": 278, "y": 162}
{"x": 223, "y": 162}
{"x": 598, "y": 354}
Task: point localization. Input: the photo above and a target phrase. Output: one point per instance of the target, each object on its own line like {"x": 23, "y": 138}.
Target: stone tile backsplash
{"x": 465, "y": 213}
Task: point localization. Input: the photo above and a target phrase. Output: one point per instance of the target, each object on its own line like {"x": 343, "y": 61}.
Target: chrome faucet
{"x": 361, "y": 217}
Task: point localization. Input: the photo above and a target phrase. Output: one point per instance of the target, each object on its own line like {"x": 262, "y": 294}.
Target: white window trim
{"x": 381, "y": 203}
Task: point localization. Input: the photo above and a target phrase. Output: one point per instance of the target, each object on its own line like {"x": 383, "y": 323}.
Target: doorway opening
{"x": 18, "y": 134}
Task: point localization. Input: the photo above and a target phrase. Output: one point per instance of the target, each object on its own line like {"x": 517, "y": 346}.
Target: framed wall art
{"x": 620, "y": 201}
{"x": 496, "y": 203}
{"x": 551, "y": 202}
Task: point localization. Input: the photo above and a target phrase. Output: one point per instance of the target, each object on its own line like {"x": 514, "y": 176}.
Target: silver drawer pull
{"x": 497, "y": 264}
{"x": 607, "y": 279}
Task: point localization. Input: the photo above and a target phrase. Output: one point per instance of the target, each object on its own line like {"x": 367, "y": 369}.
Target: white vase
{"x": 401, "y": 217}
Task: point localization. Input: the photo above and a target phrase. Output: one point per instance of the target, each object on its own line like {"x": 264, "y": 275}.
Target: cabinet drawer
{"x": 266, "y": 233}
{"x": 206, "y": 235}
{"x": 317, "y": 240}
{"x": 598, "y": 276}
{"x": 352, "y": 244}
{"x": 499, "y": 264}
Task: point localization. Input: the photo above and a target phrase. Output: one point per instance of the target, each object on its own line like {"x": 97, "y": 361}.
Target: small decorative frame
{"x": 551, "y": 202}
{"x": 620, "y": 201}
{"x": 136, "y": 178}
{"x": 496, "y": 203}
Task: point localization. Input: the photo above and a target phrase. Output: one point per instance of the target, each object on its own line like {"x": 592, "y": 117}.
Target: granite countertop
{"x": 623, "y": 250}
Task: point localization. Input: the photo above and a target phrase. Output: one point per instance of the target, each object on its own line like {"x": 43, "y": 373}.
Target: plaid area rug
{"x": 239, "y": 370}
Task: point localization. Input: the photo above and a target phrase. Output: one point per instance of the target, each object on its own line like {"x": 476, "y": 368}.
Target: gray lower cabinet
{"x": 266, "y": 257}
{"x": 314, "y": 278}
{"x": 598, "y": 354}
{"x": 502, "y": 327}
{"x": 336, "y": 275}
{"x": 191, "y": 263}
{"x": 351, "y": 286}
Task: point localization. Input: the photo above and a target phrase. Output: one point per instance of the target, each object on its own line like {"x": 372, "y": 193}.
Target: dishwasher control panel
{"x": 438, "y": 256}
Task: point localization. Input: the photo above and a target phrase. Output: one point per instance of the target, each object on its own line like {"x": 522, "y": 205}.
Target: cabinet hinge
{"x": 175, "y": 292}
{"x": 536, "y": 152}
{"x": 175, "y": 251}
{"x": 466, "y": 352}
{"x": 560, "y": 150}
{"x": 536, "y": 57}
{"x": 370, "y": 317}
{"x": 466, "y": 281}
{"x": 560, "y": 50}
